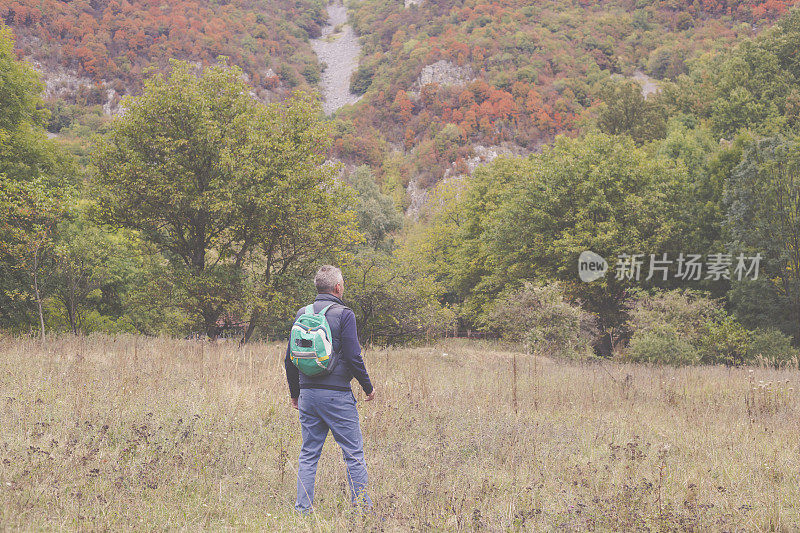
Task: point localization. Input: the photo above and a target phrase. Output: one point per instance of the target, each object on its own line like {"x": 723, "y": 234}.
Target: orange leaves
{"x": 118, "y": 39}
{"x": 503, "y": 104}
{"x": 409, "y": 138}
{"x": 86, "y": 25}
{"x": 772, "y": 8}
{"x": 535, "y": 107}
{"x": 138, "y": 41}
{"x": 21, "y": 15}
{"x": 470, "y": 122}
{"x": 403, "y": 105}
{"x": 466, "y": 98}
{"x": 480, "y": 89}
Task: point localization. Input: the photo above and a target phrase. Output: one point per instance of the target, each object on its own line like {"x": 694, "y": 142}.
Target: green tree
{"x": 707, "y": 165}
{"x": 29, "y": 215}
{"x": 597, "y": 193}
{"x": 392, "y": 300}
{"x": 361, "y": 79}
{"x": 93, "y": 268}
{"x": 33, "y": 185}
{"x": 628, "y": 111}
{"x": 25, "y": 153}
{"x": 451, "y": 244}
{"x": 762, "y": 196}
{"x": 233, "y": 192}
{"x": 375, "y": 212}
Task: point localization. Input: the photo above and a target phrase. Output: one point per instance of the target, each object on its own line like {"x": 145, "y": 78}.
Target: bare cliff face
{"x": 443, "y": 73}
{"x": 62, "y": 84}
{"x": 338, "y": 50}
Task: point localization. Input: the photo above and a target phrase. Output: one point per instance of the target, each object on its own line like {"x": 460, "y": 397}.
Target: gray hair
{"x": 326, "y": 279}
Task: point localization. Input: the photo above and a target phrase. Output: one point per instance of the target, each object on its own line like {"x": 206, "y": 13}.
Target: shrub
{"x": 684, "y": 327}
{"x": 539, "y": 317}
{"x": 772, "y": 347}
{"x": 362, "y": 79}
{"x": 724, "y": 341}
{"x": 686, "y": 311}
{"x": 664, "y": 346}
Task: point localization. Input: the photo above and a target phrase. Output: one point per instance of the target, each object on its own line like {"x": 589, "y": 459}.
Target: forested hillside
{"x": 440, "y": 78}
{"x": 516, "y": 73}
{"x": 720, "y": 177}
{"x": 205, "y": 207}
{"x": 112, "y": 43}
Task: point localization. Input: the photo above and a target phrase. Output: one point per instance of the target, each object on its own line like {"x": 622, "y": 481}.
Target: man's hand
{"x": 371, "y": 396}
{"x": 293, "y": 402}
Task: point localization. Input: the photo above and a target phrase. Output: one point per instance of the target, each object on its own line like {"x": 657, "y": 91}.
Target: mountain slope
{"x": 110, "y": 43}
{"x": 443, "y": 76}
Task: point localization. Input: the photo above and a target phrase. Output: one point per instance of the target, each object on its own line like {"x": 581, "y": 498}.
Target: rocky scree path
{"x": 339, "y": 52}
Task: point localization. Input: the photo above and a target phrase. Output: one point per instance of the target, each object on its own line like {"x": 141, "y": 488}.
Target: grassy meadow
{"x": 129, "y": 433}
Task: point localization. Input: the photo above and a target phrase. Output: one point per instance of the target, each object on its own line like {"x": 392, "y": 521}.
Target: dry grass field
{"x": 130, "y": 433}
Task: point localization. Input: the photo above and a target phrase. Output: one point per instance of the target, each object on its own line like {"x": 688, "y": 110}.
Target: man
{"x": 327, "y": 403}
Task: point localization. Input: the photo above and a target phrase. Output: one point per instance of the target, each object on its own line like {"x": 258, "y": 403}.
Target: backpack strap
{"x": 327, "y": 308}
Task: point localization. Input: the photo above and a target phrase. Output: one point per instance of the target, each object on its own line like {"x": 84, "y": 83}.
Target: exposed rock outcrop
{"x": 649, "y": 85}
{"x": 62, "y": 84}
{"x": 444, "y": 73}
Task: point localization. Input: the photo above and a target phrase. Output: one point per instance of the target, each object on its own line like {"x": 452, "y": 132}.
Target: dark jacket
{"x": 342, "y": 322}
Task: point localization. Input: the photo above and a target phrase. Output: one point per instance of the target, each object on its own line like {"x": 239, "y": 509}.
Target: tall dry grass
{"x": 133, "y": 433}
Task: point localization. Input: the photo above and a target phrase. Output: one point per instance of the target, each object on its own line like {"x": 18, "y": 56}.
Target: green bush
{"x": 685, "y": 327}
{"x": 685, "y": 311}
{"x": 724, "y": 341}
{"x": 664, "y": 346}
{"x": 539, "y": 317}
{"x": 362, "y": 79}
{"x": 311, "y": 72}
{"x": 772, "y": 347}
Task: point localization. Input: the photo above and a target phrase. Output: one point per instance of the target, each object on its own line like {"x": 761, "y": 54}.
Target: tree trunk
{"x": 255, "y": 316}
{"x": 210, "y": 318}
{"x": 71, "y": 314}
{"x": 73, "y": 304}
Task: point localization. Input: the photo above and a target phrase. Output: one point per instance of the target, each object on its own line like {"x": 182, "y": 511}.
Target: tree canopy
{"x": 232, "y": 192}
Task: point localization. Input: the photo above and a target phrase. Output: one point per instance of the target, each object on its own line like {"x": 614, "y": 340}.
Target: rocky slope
{"x": 338, "y": 50}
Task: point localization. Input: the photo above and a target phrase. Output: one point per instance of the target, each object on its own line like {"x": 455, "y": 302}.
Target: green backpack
{"x": 311, "y": 343}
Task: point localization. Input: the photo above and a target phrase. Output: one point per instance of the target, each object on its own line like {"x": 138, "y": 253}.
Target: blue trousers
{"x": 322, "y": 410}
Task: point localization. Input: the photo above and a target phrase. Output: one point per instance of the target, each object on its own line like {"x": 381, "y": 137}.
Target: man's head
{"x": 329, "y": 280}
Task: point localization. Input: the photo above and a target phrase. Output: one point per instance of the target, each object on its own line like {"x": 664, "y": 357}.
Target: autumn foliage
{"x": 114, "y": 41}
{"x": 539, "y": 67}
